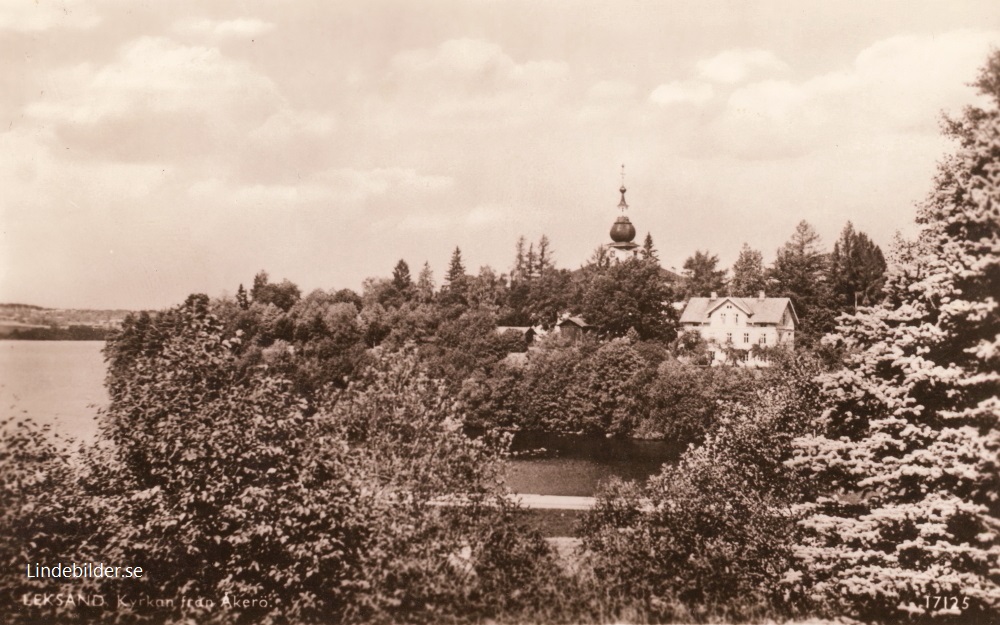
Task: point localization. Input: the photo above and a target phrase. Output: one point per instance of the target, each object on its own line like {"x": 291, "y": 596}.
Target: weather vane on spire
{"x": 623, "y": 204}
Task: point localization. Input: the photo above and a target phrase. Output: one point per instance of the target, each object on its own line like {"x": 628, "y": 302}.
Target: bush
{"x": 211, "y": 477}
{"x": 710, "y": 538}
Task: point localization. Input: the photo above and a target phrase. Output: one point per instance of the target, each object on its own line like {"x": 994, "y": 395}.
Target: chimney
{"x": 714, "y": 295}
{"x": 760, "y": 294}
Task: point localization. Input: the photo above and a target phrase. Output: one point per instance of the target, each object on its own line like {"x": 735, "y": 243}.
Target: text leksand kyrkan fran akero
{"x": 85, "y": 570}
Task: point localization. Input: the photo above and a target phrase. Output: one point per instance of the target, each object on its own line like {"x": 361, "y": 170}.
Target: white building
{"x": 741, "y": 323}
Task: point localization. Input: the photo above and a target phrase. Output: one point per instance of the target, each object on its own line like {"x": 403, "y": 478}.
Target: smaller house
{"x": 573, "y": 328}
{"x": 741, "y": 323}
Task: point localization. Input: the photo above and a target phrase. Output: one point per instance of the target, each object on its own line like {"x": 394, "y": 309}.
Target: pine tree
{"x": 914, "y": 432}
{"x": 456, "y": 270}
{"x": 425, "y": 283}
{"x": 748, "y": 273}
{"x": 519, "y": 260}
{"x": 800, "y": 272}
{"x": 544, "y": 255}
{"x": 702, "y": 276}
{"x": 241, "y": 298}
{"x": 857, "y": 269}
{"x": 531, "y": 263}
{"x": 648, "y": 251}
{"x": 401, "y": 279}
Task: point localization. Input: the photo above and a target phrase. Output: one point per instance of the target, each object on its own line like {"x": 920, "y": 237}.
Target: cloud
{"x": 41, "y": 15}
{"x": 682, "y": 92}
{"x": 898, "y": 85}
{"x": 158, "y": 98}
{"x": 462, "y": 77}
{"x": 483, "y": 216}
{"x": 736, "y": 65}
{"x": 338, "y": 187}
{"x": 241, "y": 27}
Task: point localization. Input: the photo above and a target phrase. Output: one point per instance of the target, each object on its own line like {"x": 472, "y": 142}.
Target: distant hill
{"x": 26, "y": 321}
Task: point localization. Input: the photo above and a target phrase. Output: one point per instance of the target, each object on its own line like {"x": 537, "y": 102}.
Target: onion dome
{"x": 623, "y": 231}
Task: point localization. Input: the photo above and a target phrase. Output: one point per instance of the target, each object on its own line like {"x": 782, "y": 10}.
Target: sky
{"x": 149, "y": 150}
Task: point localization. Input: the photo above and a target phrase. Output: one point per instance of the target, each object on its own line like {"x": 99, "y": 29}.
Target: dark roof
{"x": 575, "y": 321}
{"x": 760, "y": 310}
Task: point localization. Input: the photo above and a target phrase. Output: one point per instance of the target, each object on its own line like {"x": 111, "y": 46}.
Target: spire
{"x": 623, "y": 205}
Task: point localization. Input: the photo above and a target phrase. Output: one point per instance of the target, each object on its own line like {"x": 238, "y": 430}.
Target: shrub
{"x": 710, "y": 537}
{"x": 211, "y": 477}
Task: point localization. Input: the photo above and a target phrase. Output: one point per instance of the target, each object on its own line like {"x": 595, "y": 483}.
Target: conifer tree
{"x": 857, "y": 269}
{"x": 544, "y": 255}
{"x": 800, "y": 272}
{"x": 456, "y": 269}
{"x": 425, "y": 283}
{"x": 648, "y": 251}
{"x": 241, "y": 298}
{"x": 401, "y": 279}
{"x": 907, "y": 519}
{"x": 519, "y": 260}
{"x": 702, "y": 276}
{"x": 748, "y": 273}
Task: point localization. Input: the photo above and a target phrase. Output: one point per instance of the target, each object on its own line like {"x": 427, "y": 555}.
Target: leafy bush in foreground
{"x": 211, "y": 478}
{"x": 711, "y": 537}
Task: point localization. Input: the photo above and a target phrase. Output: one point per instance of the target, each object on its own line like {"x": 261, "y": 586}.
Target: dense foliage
{"x": 621, "y": 387}
{"x": 711, "y": 537}
{"x": 910, "y": 453}
{"x": 214, "y": 479}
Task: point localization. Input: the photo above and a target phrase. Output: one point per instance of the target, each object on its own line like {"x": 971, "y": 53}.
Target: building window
{"x": 746, "y": 337}
{"x": 723, "y": 317}
{"x": 729, "y": 337}
{"x": 763, "y": 339}
{"x": 737, "y": 320}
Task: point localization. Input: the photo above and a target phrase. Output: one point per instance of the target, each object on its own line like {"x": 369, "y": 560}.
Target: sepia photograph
{"x": 500, "y": 312}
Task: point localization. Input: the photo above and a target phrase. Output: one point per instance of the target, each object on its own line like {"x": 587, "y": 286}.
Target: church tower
{"x": 623, "y": 245}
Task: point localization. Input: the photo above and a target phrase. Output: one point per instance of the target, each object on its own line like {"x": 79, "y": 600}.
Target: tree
{"x": 456, "y": 270}
{"x": 425, "y": 283}
{"x": 708, "y": 538}
{"x": 192, "y": 481}
{"x": 401, "y": 279}
{"x": 857, "y": 269}
{"x": 241, "y": 298}
{"x": 630, "y": 294}
{"x": 648, "y": 251}
{"x": 800, "y": 272}
{"x": 701, "y": 276}
{"x": 544, "y": 263}
{"x": 453, "y": 294}
{"x": 913, "y": 437}
{"x": 519, "y": 272}
{"x": 282, "y": 295}
{"x": 748, "y": 273}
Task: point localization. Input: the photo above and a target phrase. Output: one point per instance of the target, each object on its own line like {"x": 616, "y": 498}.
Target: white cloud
{"x": 338, "y": 187}
{"x": 736, "y": 65}
{"x": 158, "y": 98}
{"x": 482, "y": 216}
{"x": 682, "y": 92}
{"x": 471, "y": 77}
{"x": 42, "y": 15}
{"x": 241, "y": 27}
{"x": 898, "y": 85}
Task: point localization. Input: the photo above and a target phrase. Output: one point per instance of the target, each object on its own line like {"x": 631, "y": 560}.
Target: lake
{"x": 62, "y": 383}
